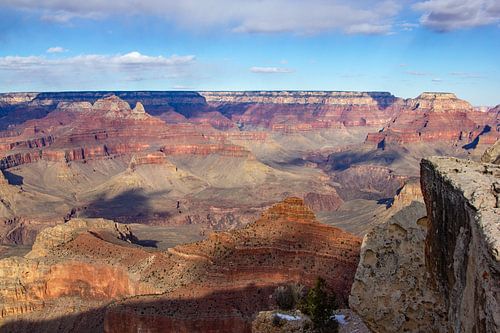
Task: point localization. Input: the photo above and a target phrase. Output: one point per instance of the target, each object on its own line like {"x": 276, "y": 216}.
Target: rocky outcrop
{"x": 279, "y": 322}
{"x": 492, "y": 154}
{"x": 283, "y": 243}
{"x": 437, "y": 273}
{"x": 463, "y": 240}
{"x": 390, "y": 291}
{"x": 438, "y": 102}
{"x": 217, "y": 283}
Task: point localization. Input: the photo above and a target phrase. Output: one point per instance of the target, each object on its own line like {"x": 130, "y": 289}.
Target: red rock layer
{"x": 438, "y": 117}
{"x": 207, "y": 149}
{"x": 238, "y": 270}
{"x": 217, "y": 283}
{"x": 81, "y": 131}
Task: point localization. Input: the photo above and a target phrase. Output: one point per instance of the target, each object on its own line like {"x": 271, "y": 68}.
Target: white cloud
{"x": 92, "y": 69}
{"x": 467, "y": 75}
{"x": 270, "y": 70}
{"x": 264, "y": 16}
{"x": 56, "y": 49}
{"x": 448, "y": 15}
{"x": 417, "y": 73}
{"x": 408, "y": 26}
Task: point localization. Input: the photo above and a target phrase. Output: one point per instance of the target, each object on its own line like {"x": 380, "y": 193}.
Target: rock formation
{"x": 437, "y": 273}
{"x": 492, "y": 154}
{"x": 222, "y": 157}
{"x": 286, "y": 243}
{"x": 435, "y": 117}
{"x": 76, "y": 269}
{"x": 463, "y": 241}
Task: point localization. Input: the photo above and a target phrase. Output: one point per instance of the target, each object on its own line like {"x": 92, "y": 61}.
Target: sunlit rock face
{"x": 439, "y": 272}
{"x": 492, "y": 154}
{"x": 434, "y": 117}
{"x": 78, "y": 268}
{"x": 287, "y": 243}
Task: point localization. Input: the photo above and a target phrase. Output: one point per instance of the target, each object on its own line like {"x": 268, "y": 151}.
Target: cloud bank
{"x": 448, "y": 15}
{"x": 84, "y": 70}
{"x": 264, "y": 16}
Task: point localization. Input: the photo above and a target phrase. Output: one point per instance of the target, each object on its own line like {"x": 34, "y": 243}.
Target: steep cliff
{"x": 463, "y": 240}
{"x": 433, "y": 117}
{"x": 438, "y": 273}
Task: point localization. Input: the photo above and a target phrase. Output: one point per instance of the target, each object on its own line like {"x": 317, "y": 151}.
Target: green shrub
{"x": 319, "y": 304}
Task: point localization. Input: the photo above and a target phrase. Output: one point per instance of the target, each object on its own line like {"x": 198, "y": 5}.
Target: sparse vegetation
{"x": 318, "y": 303}
{"x": 288, "y": 297}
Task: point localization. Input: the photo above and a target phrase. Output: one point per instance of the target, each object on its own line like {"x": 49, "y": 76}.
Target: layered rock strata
{"x": 76, "y": 269}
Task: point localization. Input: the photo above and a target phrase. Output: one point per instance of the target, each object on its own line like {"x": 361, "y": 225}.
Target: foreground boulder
{"x": 438, "y": 273}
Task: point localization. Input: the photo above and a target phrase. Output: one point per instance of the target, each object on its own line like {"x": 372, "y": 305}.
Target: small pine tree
{"x": 319, "y": 305}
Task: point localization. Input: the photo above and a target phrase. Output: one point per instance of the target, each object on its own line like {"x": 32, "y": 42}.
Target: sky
{"x": 405, "y": 47}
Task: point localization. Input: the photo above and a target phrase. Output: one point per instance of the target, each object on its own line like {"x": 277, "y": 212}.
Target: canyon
{"x": 218, "y": 159}
{"x": 183, "y": 211}
{"x": 76, "y": 269}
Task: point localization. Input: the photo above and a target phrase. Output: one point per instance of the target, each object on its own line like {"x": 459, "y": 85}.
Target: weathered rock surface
{"x": 492, "y": 154}
{"x": 280, "y": 322}
{"x": 77, "y": 268}
{"x": 463, "y": 240}
{"x": 390, "y": 291}
{"x": 438, "y": 273}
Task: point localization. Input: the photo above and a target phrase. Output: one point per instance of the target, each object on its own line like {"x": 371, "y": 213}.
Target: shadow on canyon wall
{"x": 191, "y": 315}
{"x": 473, "y": 144}
{"x": 344, "y": 160}
{"x": 12, "y": 178}
{"x": 131, "y": 206}
{"x": 383, "y": 103}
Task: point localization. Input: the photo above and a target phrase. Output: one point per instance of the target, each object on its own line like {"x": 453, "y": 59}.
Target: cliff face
{"x": 437, "y": 273}
{"x": 463, "y": 240}
{"x": 433, "y": 117}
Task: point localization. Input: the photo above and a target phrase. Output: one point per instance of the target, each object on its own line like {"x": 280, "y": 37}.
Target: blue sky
{"x": 404, "y": 47}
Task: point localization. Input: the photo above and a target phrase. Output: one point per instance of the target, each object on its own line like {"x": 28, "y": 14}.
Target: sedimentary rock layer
{"x": 217, "y": 283}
